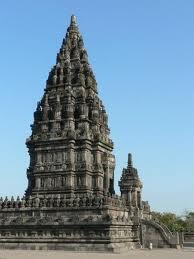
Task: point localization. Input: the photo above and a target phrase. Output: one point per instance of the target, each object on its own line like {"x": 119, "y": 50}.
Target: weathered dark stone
{"x": 70, "y": 202}
{"x": 70, "y": 149}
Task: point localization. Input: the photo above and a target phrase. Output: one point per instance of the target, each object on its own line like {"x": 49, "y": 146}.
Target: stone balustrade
{"x": 62, "y": 201}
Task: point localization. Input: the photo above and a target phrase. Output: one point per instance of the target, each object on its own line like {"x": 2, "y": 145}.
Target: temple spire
{"x": 130, "y": 162}
{"x": 73, "y": 20}
{"x": 73, "y": 27}
{"x": 72, "y": 113}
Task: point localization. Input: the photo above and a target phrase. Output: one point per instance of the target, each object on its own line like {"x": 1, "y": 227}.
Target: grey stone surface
{"x": 70, "y": 202}
{"x": 159, "y": 235}
{"x": 188, "y": 239}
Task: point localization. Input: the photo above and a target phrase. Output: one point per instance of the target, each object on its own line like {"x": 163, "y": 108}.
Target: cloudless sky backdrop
{"x": 142, "y": 53}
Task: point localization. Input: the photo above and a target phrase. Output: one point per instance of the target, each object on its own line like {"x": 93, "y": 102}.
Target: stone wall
{"x": 81, "y": 223}
{"x": 188, "y": 239}
{"x": 157, "y": 234}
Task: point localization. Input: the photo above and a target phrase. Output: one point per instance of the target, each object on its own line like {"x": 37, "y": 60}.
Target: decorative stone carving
{"x": 70, "y": 195}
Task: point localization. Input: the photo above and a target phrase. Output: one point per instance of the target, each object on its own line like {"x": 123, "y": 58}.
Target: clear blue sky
{"x": 142, "y": 52}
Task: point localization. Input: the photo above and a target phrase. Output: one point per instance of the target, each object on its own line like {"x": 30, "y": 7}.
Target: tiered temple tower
{"x": 70, "y": 149}
{"x": 70, "y": 202}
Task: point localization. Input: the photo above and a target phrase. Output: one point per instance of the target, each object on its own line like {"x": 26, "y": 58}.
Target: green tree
{"x": 171, "y": 220}
{"x": 189, "y": 221}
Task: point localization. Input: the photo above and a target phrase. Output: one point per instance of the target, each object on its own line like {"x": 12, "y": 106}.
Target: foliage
{"x": 189, "y": 221}
{"x": 171, "y": 220}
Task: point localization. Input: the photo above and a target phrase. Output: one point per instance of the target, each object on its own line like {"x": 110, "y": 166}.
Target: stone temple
{"x": 70, "y": 202}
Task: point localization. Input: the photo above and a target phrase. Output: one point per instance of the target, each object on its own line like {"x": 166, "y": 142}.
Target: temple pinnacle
{"x": 130, "y": 163}
{"x": 73, "y": 20}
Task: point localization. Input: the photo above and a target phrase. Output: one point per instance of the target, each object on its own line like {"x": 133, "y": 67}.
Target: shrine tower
{"x": 70, "y": 148}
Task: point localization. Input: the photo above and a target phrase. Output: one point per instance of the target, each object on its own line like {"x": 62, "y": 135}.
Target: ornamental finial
{"x": 73, "y": 20}
{"x": 130, "y": 163}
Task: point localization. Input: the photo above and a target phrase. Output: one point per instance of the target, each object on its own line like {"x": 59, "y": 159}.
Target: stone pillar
{"x": 38, "y": 183}
{"x": 71, "y": 162}
{"x": 139, "y": 202}
{"x": 72, "y": 156}
{"x": 105, "y": 182}
{"x": 107, "y": 175}
{"x": 39, "y": 158}
{"x": 134, "y": 197}
{"x": 129, "y": 196}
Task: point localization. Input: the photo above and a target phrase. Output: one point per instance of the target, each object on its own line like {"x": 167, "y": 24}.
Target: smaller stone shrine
{"x": 70, "y": 202}
{"x": 131, "y": 186}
